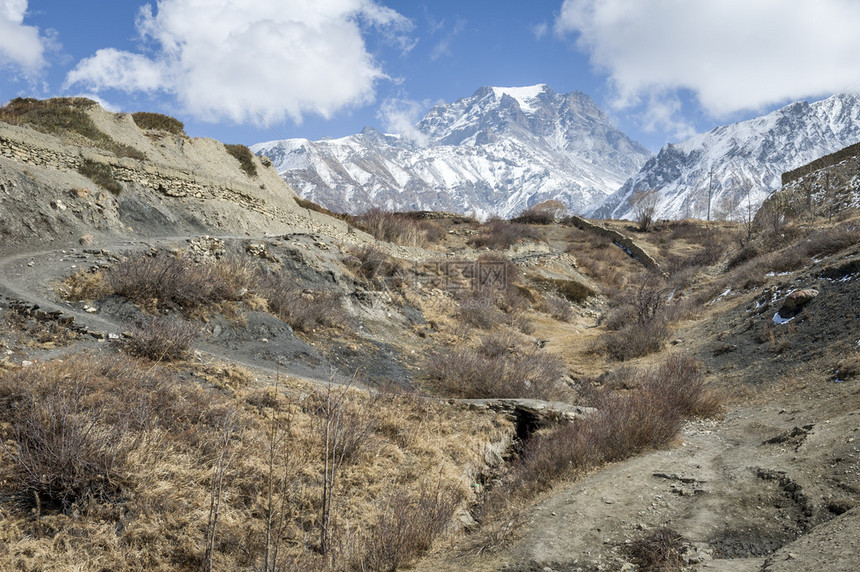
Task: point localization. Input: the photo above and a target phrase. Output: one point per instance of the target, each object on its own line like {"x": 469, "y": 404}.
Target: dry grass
{"x": 158, "y": 122}
{"x": 496, "y": 369}
{"x": 302, "y": 309}
{"x": 245, "y": 157}
{"x": 64, "y": 116}
{"x": 400, "y": 228}
{"x": 500, "y": 234}
{"x": 167, "y": 282}
{"x": 122, "y": 456}
{"x": 638, "y": 321}
{"x": 161, "y": 339}
{"x": 646, "y": 416}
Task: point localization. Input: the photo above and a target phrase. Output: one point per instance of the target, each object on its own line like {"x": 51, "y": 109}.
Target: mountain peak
{"x": 495, "y": 152}
{"x": 524, "y": 96}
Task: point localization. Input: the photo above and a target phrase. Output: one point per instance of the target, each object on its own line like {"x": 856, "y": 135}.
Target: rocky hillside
{"x": 493, "y": 153}
{"x": 740, "y": 162}
{"x": 107, "y": 176}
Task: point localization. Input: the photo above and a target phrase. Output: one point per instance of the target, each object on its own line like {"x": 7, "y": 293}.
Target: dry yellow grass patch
{"x": 256, "y": 452}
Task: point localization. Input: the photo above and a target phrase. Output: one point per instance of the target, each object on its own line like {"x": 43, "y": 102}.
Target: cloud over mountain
{"x": 248, "y": 61}
{"x": 731, "y": 55}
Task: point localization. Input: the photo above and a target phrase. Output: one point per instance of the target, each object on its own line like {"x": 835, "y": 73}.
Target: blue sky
{"x": 248, "y": 70}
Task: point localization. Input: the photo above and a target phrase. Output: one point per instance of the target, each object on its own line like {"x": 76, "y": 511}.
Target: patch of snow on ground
{"x": 779, "y": 320}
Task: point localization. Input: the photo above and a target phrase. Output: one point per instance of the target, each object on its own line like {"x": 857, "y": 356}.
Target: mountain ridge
{"x": 493, "y": 153}
{"x": 739, "y": 162}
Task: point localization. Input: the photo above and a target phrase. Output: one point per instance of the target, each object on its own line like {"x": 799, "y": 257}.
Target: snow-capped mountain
{"x": 493, "y": 153}
{"x": 740, "y": 163}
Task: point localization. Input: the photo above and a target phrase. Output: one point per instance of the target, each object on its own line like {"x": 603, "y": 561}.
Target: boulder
{"x": 795, "y": 301}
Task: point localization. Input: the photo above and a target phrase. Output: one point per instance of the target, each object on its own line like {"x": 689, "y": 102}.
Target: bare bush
{"x": 644, "y": 205}
{"x": 178, "y": 282}
{"x": 500, "y": 234}
{"x": 405, "y": 527}
{"x": 161, "y": 339}
{"x": 399, "y": 228}
{"x": 303, "y": 310}
{"x": 639, "y": 322}
{"x": 472, "y": 374}
{"x": 376, "y": 266}
{"x": 546, "y": 212}
{"x": 81, "y": 430}
{"x": 661, "y": 550}
{"x": 556, "y": 307}
{"x": 479, "y": 311}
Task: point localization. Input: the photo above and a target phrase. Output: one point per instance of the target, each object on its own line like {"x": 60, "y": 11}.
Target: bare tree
{"x": 282, "y": 471}
{"x": 226, "y": 454}
{"x": 644, "y": 205}
{"x": 343, "y": 431}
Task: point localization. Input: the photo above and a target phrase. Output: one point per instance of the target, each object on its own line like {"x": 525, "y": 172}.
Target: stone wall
{"x": 621, "y": 240}
{"x": 165, "y": 180}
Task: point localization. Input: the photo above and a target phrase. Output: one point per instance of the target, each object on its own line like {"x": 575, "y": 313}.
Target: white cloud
{"x": 443, "y": 46}
{"x": 21, "y": 46}
{"x": 733, "y": 55}
{"x": 400, "y": 116}
{"x": 539, "y": 30}
{"x": 250, "y": 61}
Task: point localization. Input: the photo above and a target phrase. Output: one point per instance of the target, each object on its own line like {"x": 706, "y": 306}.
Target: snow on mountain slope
{"x": 740, "y": 163}
{"x": 493, "y": 153}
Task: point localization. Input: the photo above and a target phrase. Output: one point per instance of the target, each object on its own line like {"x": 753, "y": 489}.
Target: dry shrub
{"x": 500, "y": 234}
{"x": 557, "y": 307}
{"x": 178, "y": 282}
{"x": 546, "y": 212}
{"x": 85, "y": 286}
{"x": 159, "y": 122}
{"x": 245, "y": 157}
{"x": 831, "y": 240}
{"x": 471, "y": 374}
{"x": 633, "y": 340}
{"x": 479, "y": 311}
{"x": 661, "y": 550}
{"x": 88, "y": 429}
{"x": 406, "y": 525}
{"x": 375, "y": 265}
{"x": 161, "y": 339}
{"x": 399, "y": 228}
{"x": 639, "y": 322}
{"x": 64, "y": 116}
{"x": 648, "y": 415}
{"x": 303, "y": 310}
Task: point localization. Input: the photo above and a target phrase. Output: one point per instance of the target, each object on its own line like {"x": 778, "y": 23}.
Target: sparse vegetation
{"x": 161, "y": 339}
{"x": 158, "y": 122}
{"x": 302, "y": 310}
{"x": 644, "y": 205}
{"x": 497, "y": 234}
{"x": 661, "y": 550}
{"x": 64, "y": 116}
{"x": 101, "y": 174}
{"x": 639, "y": 321}
{"x": 399, "y": 228}
{"x": 245, "y": 157}
{"x": 626, "y": 423}
{"x": 495, "y": 371}
{"x": 546, "y": 212}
